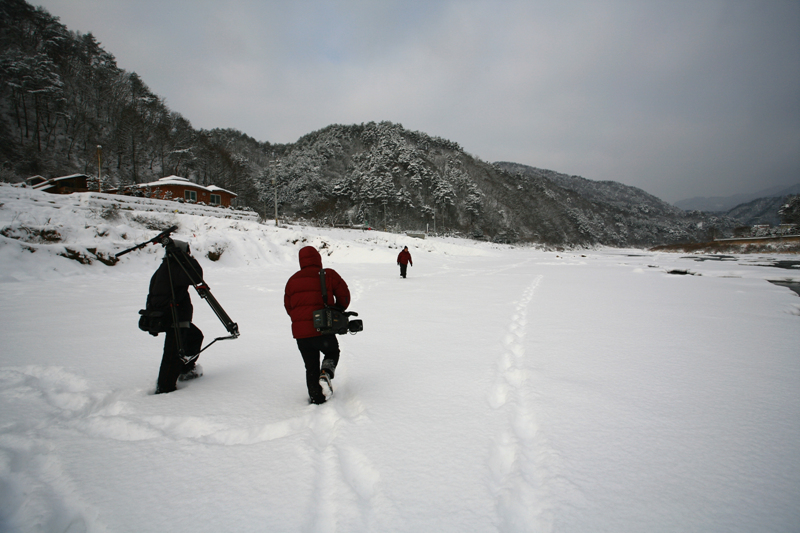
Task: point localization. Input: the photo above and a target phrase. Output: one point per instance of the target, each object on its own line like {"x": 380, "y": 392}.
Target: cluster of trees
{"x": 376, "y": 174}
{"x": 790, "y": 211}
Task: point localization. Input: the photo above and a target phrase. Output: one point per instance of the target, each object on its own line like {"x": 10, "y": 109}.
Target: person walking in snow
{"x": 404, "y": 259}
{"x": 303, "y": 296}
{"x": 169, "y": 286}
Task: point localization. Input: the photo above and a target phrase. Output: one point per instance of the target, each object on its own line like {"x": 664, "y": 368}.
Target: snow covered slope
{"x": 495, "y": 389}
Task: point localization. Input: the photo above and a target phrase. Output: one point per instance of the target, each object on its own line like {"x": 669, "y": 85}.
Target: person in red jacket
{"x": 303, "y": 296}
{"x": 404, "y": 259}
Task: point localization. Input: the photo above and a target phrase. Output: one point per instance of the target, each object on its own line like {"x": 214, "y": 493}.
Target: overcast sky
{"x": 680, "y": 98}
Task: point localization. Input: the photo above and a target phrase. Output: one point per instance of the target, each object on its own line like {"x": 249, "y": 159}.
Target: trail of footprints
{"x": 517, "y": 462}
{"x": 345, "y": 489}
{"x": 346, "y": 494}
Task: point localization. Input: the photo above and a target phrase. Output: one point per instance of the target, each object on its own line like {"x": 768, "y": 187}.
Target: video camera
{"x": 354, "y": 326}
{"x": 332, "y": 320}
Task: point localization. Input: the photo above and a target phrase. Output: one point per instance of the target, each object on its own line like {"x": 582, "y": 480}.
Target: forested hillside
{"x": 622, "y": 215}
{"x": 66, "y": 106}
{"x": 765, "y": 210}
{"x": 62, "y": 96}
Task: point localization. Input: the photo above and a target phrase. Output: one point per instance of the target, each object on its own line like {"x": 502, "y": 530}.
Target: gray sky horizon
{"x": 678, "y": 98}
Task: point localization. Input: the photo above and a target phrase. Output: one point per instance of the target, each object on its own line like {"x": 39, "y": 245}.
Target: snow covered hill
{"x": 497, "y": 388}
{"x": 620, "y": 215}
{"x": 725, "y": 204}
{"x": 760, "y": 211}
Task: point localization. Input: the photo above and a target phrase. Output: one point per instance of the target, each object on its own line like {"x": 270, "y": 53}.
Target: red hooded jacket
{"x": 404, "y": 258}
{"x": 303, "y": 294}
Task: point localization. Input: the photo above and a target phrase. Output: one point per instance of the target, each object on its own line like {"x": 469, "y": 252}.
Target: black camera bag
{"x": 329, "y": 320}
{"x": 154, "y": 322}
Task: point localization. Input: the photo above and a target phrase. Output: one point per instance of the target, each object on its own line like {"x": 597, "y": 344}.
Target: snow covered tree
{"x": 790, "y": 212}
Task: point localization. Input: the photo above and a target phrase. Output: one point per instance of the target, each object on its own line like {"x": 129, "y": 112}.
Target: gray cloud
{"x": 678, "y": 98}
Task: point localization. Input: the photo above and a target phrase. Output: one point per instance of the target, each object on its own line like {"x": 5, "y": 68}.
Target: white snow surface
{"x": 497, "y": 388}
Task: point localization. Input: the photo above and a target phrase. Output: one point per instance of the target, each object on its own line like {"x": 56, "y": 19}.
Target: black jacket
{"x": 160, "y": 294}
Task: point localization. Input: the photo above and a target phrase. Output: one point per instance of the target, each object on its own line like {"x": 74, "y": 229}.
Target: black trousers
{"x": 172, "y": 365}
{"x": 403, "y": 269}
{"x": 310, "y": 349}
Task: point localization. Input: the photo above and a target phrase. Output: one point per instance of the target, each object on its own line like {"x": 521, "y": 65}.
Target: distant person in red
{"x": 303, "y": 296}
{"x": 404, "y": 259}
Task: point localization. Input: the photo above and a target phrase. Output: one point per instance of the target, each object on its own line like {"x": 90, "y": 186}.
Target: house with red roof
{"x": 169, "y": 188}
{"x": 175, "y": 187}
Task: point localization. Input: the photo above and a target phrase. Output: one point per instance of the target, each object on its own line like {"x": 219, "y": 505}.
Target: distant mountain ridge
{"x": 723, "y": 204}
{"x": 630, "y": 215}
{"x": 759, "y": 211}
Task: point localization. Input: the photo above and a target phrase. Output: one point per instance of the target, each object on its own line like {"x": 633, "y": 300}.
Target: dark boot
{"x": 328, "y": 366}
{"x": 317, "y": 400}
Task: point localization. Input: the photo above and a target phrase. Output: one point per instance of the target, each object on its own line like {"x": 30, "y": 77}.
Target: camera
{"x": 353, "y": 326}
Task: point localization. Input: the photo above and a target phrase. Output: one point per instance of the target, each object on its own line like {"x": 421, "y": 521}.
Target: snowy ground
{"x": 495, "y": 389}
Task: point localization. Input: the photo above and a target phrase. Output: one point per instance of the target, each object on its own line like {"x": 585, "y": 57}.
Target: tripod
{"x": 181, "y": 258}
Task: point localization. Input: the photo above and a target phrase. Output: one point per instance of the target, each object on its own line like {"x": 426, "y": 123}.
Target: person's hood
{"x": 309, "y": 256}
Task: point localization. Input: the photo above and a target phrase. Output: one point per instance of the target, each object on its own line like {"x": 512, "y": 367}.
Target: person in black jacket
{"x": 160, "y": 298}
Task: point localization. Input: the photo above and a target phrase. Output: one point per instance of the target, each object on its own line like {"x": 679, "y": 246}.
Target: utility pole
{"x": 99, "y": 167}
{"x": 275, "y": 189}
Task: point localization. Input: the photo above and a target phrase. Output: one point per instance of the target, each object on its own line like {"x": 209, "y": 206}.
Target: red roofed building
{"x": 174, "y": 187}
{"x": 169, "y": 188}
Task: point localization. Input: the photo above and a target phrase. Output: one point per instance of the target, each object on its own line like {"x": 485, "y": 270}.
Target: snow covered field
{"x": 496, "y": 389}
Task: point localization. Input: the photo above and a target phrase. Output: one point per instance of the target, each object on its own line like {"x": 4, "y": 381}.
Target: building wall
{"x": 200, "y": 195}
{"x": 79, "y": 183}
{"x": 67, "y": 186}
